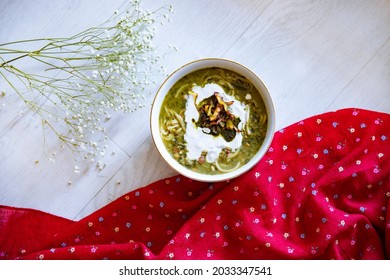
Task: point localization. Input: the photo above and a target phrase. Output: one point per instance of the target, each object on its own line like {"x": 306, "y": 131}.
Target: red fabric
{"x": 321, "y": 192}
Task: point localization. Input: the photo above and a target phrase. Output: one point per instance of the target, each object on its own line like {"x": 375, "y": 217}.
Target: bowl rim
{"x": 264, "y": 92}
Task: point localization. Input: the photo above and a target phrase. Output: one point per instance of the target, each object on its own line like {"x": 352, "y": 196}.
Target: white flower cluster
{"x": 102, "y": 69}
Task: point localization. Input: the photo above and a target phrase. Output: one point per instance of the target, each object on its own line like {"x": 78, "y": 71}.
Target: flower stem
{"x": 12, "y": 60}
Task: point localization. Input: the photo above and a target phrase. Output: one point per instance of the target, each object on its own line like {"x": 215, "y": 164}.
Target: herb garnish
{"x": 216, "y": 119}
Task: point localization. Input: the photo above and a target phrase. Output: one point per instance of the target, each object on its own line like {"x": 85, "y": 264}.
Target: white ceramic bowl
{"x": 193, "y": 66}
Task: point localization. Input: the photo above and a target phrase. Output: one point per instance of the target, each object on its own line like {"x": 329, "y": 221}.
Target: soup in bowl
{"x": 212, "y": 119}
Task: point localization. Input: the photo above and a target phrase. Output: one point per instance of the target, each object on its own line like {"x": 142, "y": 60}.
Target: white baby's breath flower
{"x": 105, "y": 68}
{"x": 100, "y": 165}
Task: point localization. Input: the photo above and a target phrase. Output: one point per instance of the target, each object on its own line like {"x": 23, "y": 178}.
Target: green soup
{"x": 213, "y": 121}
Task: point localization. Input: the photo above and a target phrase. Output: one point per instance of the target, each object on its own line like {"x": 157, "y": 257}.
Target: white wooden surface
{"x": 314, "y": 56}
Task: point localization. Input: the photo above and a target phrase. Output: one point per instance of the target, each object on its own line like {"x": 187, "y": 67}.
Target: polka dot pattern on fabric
{"x": 321, "y": 192}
